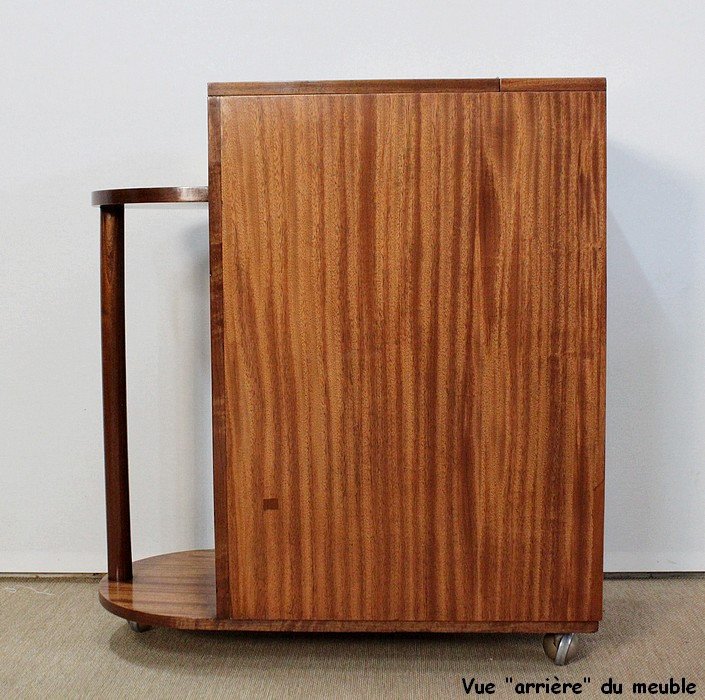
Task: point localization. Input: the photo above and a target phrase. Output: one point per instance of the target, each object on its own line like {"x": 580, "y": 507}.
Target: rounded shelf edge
{"x": 149, "y": 195}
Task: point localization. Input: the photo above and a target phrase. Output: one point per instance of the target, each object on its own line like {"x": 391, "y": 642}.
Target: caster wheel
{"x": 560, "y": 648}
{"x": 137, "y": 627}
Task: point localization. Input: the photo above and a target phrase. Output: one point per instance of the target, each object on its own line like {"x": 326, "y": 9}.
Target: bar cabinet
{"x": 408, "y": 363}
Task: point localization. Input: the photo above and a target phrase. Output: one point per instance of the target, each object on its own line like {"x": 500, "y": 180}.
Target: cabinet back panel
{"x": 413, "y": 352}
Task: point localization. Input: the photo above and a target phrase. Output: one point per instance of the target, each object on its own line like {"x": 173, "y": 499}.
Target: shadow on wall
{"x": 655, "y": 349}
{"x": 169, "y": 380}
{"x": 196, "y": 242}
{"x": 190, "y": 331}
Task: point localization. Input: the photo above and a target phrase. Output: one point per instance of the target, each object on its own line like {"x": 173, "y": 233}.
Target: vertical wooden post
{"x": 112, "y": 303}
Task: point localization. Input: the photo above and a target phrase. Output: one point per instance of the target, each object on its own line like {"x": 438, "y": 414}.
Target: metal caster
{"x": 138, "y": 627}
{"x": 561, "y": 648}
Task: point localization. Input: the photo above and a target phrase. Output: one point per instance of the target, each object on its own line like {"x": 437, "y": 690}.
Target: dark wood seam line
{"x": 224, "y": 476}
{"x": 223, "y": 418}
{"x": 220, "y": 450}
{"x": 348, "y": 92}
{"x": 225, "y": 486}
{"x": 410, "y": 91}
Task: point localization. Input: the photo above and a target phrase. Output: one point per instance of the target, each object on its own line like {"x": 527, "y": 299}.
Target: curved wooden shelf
{"x": 150, "y": 195}
{"x": 178, "y": 590}
{"x": 170, "y": 590}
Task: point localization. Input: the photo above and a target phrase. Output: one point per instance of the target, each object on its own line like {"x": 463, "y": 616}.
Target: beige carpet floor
{"x": 57, "y": 642}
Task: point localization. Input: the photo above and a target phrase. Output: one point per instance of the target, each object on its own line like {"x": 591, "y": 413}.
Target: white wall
{"x": 97, "y": 94}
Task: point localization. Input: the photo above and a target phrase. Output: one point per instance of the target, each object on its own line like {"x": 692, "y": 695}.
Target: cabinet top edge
{"x": 342, "y": 87}
{"x": 553, "y": 84}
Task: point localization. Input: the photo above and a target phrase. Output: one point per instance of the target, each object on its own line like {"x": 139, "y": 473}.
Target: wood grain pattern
{"x": 350, "y": 87}
{"x": 552, "y": 84}
{"x": 178, "y": 590}
{"x": 220, "y": 438}
{"x": 413, "y": 354}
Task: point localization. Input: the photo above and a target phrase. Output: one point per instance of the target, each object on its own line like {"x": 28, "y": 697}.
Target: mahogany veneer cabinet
{"x": 408, "y": 362}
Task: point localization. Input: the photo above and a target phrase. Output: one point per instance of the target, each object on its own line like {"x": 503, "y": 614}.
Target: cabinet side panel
{"x": 413, "y": 314}
{"x": 218, "y": 389}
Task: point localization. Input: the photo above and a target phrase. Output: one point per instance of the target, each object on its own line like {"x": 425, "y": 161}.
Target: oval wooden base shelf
{"x": 178, "y": 590}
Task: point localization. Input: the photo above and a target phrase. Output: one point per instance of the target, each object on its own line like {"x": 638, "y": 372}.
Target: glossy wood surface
{"x": 552, "y": 84}
{"x": 150, "y": 195}
{"x": 350, "y": 87}
{"x": 112, "y": 312}
{"x": 178, "y": 590}
{"x": 413, "y": 339}
{"x": 220, "y": 454}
